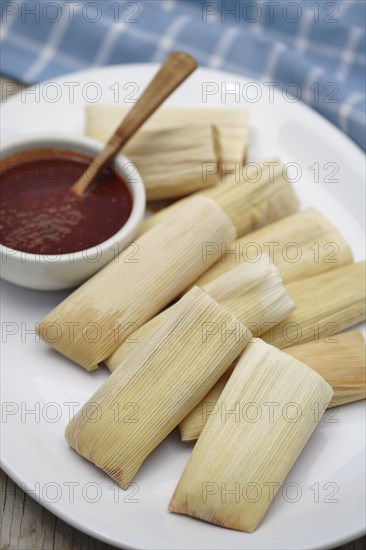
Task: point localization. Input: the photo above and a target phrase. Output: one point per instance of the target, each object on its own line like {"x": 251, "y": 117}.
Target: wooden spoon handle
{"x": 173, "y": 72}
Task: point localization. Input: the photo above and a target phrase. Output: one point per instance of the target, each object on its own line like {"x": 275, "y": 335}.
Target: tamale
{"x": 325, "y": 304}
{"x": 232, "y": 125}
{"x": 340, "y": 361}
{"x": 263, "y": 195}
{"x": 266, "y": 416}
{"x": 253, "y": 293}
{"x": 177, "y": 161}
{"x": 162, "y": 380}
{"x": 192, "y": 425}
{"x": 300, "y": 245}
{"x": 91, "y": 323}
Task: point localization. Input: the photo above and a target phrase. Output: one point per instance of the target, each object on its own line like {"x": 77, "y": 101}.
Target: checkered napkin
{"x": 313, "y": 51}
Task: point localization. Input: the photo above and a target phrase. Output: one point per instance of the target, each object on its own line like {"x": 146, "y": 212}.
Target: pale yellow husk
{"x": 325, "y": 304}
{"x": 232, "y": 125}
{"x": 107, "y": 308}
{"x": 340, "y": 361}
{"x": 177, "y": 161}
{"x": 258, "y": 195}
{"x": 265, "y": 416}
{"x": 162, "y": 380}
{"x": 252, "y": 292}
{"x": 300, "y": 245}
{"x": 192, "y": 425}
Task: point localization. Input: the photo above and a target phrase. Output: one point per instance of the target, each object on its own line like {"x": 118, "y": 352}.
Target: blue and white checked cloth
{"x": 318, "y": 46}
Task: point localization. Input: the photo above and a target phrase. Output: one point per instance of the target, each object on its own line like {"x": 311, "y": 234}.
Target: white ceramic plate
{"x": 325, "y": 504}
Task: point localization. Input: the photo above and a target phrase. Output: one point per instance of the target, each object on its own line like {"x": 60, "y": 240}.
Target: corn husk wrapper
{"x": 259, "y": 196}
{"x": 341, "y": 362}
{"x": 177, "y": 161}
{"x": 232, "y": 125}
{"x": 226, "y": 480}
{"x": 301, "y": 245}
{"x": 325, "y": 305}
{"x": 163, "y": 379}
{"x": 124, "y": 294}
{"x": 192, "y": 425}
{"x": 253, "y": 293}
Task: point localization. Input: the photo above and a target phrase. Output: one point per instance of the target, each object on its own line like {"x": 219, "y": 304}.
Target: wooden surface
{"x": 26, "y": 525}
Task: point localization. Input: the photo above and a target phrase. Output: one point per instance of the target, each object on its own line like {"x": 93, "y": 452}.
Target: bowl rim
{"x": 70, "y": 142}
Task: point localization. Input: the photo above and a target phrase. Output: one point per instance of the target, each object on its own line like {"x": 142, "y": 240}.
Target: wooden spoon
{"x": 173, "y": 72}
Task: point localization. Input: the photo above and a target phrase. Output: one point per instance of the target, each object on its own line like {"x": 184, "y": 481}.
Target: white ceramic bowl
{"x": 56, "y": 272}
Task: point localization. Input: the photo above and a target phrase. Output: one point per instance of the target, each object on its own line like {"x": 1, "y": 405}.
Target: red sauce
{"x": 40, "y": 215}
